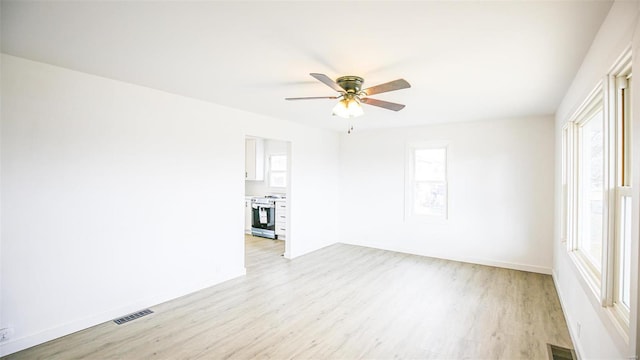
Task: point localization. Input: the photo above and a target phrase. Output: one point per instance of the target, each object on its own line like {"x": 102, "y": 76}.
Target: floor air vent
{"x": 560, "y": 353}
{"x": 133, "y": 316}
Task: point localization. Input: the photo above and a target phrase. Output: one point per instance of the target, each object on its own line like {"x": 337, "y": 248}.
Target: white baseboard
{"x": 478, "y": 261}
{"x": 576, "y": 344}
{"x": 505, "y": 265}
{"x": 25, "y": 342}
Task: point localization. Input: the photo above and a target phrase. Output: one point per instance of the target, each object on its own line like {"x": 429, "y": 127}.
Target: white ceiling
{"x": 466, "y": 61}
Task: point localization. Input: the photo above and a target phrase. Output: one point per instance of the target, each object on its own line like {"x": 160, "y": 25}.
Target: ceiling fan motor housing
{"x": 351, "y": 84}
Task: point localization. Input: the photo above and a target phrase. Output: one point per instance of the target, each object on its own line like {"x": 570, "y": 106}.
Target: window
{"x": 566, "y": 176}
{"x": 584, "y": 187}
{"x": 591, "y": 188}
{"x": 619, "y": 296}
{"x": 426, "y": 187}
{"x": 278, "y": 171}
{"x": 623, "y": 283}
{"x": 597, "y": 194}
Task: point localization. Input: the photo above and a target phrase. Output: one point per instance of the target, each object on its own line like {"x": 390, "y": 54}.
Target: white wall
{"x": 597, "y": 337}
{"x": 500, "y": 192}
{"x": 117, "y": 197}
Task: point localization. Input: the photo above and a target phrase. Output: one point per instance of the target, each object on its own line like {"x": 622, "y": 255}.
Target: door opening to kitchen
{"x": 267, "y": 184}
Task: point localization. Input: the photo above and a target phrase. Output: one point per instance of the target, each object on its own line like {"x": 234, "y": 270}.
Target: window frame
{"x": 613, "y": 94}
{"x": 282, "y": 172}
{"x": 619, "y": 83}
{"x": 567, "y": 226}
{"x": 410, "y": 183}
{"x": 582, "y": 116}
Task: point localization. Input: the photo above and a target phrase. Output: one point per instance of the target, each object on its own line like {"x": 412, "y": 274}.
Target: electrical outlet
{"x": 5, "y": 333}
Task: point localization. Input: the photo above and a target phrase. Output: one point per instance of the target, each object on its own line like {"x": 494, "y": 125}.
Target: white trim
{"x": 464, "y": 259}
{"x": 589, "y": 105}
{"x": 600, "y": 311}
{"x": 271, "y": 171}
{"x": 587, "y": 110}
{"x": 618, "y": 79}
{"x": 586, "y": 274}
{"x": 574, "y": 338}
{"x": 567, "y": 227}
{"x": 409, "y": 215}
{"x": 14, "y": 345}
{"x": 620, "y": 321}
{"x": 603, "y": 285}
{"x": 622, "y": 65}
{"x": 622, "y": 312}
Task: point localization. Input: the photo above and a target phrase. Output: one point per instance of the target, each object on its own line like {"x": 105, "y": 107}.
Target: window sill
{"x": 619, "y": 322}
{"x": 587, "y": 276}
{"x": 606, "y": 314}
{"x": 425, "y": 219}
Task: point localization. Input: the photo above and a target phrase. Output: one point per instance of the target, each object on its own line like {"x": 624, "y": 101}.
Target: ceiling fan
{"x": 352, "y": 95}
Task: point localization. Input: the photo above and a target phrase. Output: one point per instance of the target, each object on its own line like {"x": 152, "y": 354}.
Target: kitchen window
{"x": 426, "y": 188}
{"x": 278, "y": 171}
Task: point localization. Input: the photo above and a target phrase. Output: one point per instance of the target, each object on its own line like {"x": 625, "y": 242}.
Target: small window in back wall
{"x": 427, "y": 181}
{"x": 278, "y": 171}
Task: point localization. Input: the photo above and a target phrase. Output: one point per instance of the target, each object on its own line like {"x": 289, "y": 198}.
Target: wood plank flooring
{"x": 341, "y": 302}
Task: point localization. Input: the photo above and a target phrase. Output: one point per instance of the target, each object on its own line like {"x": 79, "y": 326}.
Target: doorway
{"x": 267, "y": 201}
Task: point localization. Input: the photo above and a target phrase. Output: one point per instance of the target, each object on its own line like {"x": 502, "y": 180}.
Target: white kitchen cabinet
{"x": 254, "y": 159}
{"x": 281, "y": 218}
{"x": 248, "y": 214}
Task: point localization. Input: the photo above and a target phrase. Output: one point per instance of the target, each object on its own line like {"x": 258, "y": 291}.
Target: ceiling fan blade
{"x": 328, "y": 81}
{"x": 383, "y": 104}
{"x": 312, "y": 98}
{"x": 390, "y": 86}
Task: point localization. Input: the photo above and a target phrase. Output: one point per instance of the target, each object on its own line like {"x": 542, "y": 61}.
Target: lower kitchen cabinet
{"x": 281, "y": 218}
{"x": 248, "y": 215}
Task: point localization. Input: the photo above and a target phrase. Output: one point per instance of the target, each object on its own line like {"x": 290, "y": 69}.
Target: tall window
{"x": 278, "y": 170}
{"x": 597, "y": 193}
{"x": 591, "y": 187}
{"x": 427, "y": 185}
{"x": 620, "y": 295}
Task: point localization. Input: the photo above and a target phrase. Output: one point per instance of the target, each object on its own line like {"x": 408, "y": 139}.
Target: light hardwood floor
{"x": 341, "y": 302}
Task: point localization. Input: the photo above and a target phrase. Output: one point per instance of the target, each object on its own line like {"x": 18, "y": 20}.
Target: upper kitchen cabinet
{"x": 254, "y": 159}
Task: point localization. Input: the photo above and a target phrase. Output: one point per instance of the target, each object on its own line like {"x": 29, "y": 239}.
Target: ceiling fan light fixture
{"x": 348, "y": 107}
{"x": 351, "y": 95}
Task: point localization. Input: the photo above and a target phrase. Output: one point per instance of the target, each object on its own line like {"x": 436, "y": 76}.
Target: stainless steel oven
{"x": 263, "y": 217}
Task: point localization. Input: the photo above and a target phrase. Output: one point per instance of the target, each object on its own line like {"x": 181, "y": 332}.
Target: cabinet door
{"x": 281, "y": 218}
{"x": 247, "y": 216}
{"x": 254, "y": 159}
{"x": 281, "y": 231}
{"x": 250, "y": 159}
